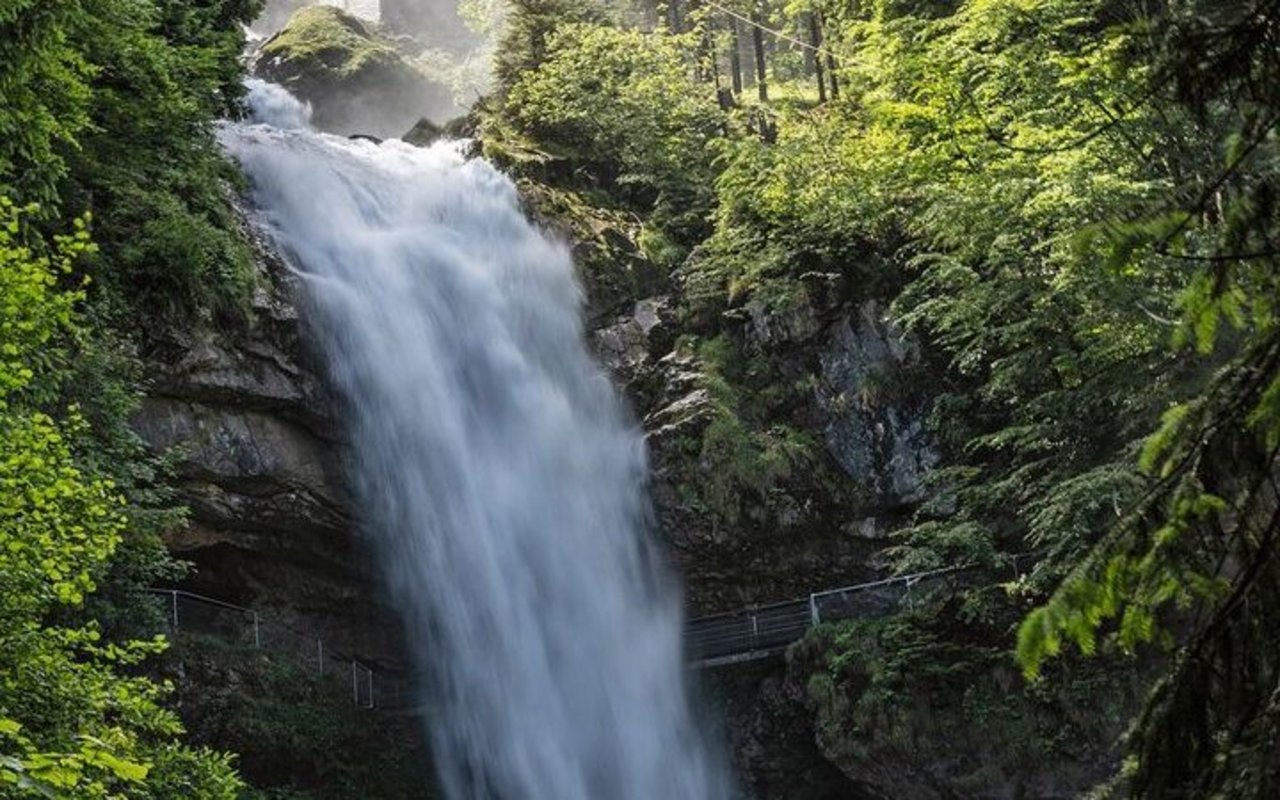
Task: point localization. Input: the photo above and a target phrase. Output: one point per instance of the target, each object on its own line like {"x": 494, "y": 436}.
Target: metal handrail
{"x": 889, "y": 581}
{"x": 213, "y": 601}
{"x": 356, "y": 665}
{"x": 909, "y": 580}
{"x": 724, "y": 638}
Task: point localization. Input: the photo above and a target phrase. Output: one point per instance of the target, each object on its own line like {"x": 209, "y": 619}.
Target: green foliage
{"x": 101, "y": 380}
{"x": 528, "y": 27}
{"x": 151, "y": 168}
{"x": 109, "y": 106}
{"x": 907, "y": 690}
{"x": 1074, "y": 204}
{"x": 301, "y": 738}
{"x": 626, "y": 104}
{"x": 109, "y": 109}
{"x": 743, "y": 464}
{"x": 44, "y": 82}
{"x": 1080, "y": 289}
{"x": 71, "y": 723}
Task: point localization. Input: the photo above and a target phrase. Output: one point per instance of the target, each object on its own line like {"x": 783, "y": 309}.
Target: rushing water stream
{"x": 494, "y": 463}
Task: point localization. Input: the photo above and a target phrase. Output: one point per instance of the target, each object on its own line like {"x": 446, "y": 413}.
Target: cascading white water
{"x": 495, "y": 464}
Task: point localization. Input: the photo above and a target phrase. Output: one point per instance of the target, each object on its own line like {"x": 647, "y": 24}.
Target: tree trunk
{"x": 757, "y": 39}
{"x": 709, "y": 56}
{"x": 831, "y": 68}
{"x": 815, "y": 41}
{"x": 735, "y": 57}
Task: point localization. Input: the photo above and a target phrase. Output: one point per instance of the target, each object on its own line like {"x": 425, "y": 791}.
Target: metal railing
{"x": 746, "y": 635}
{"x": 713, "y": 640}
{"x": 369, "y": 688}
{"x": 764, "y": 631}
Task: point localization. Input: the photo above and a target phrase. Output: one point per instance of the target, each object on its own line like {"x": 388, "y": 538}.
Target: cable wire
{"x": 775, "y": 33}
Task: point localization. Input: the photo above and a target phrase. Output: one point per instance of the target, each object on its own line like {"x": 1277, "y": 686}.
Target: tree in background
{"x": 109, "y": 108}
{"x": 1198, "y": 550}
{"x": 1085, "y": 191}
{"x": 529, "y": 26}
{"x": 624, "y": 102}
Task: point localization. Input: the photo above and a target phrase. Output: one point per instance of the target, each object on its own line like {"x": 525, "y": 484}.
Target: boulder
{"x": 424, "y": 132}
{"x": 355, "y": 78}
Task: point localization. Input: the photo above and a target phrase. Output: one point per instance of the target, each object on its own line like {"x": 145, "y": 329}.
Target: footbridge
{"x": 760, "y": 632}
{"x": 717, "y": 640}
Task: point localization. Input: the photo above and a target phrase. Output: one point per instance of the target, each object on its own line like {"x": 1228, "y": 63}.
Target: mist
{"x": 451, "y": 42}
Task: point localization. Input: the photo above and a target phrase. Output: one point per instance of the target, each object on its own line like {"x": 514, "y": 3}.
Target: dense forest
{"x": 1072, "y": 205}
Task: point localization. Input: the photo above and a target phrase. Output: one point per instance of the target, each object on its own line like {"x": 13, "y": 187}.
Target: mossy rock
{"x": 925, "y": 704}
{"x": 352, "y": 74}
{"x": 424, "y": 132}
{"x": 614, "y": 271}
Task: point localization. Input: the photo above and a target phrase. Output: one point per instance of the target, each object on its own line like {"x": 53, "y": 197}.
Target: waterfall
{"x": 493, "y": 461}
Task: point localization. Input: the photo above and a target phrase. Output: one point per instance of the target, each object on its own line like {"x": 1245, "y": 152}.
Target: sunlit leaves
{"x": 625, "y": 106}
{"x": 71, "y": 725}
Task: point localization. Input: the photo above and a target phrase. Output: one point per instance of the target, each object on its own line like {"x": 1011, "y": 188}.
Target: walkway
{"x": 190, "y": 613}
{"x": 755, "y": 633}
{"x": 712, "y": 641}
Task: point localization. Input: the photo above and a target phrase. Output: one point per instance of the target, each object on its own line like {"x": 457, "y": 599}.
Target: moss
{"x": 614, "y": 271}
{"x": 660, "y": 248}
{"x": 741, "y": 467}
{"x": 330, "y": 40}
{"x": 922, "y": 687}
{"x": 297, "y": 738}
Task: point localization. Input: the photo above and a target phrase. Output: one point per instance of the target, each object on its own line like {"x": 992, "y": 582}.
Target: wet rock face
{"x": 871, "y": 398}
{"x": 779, "y": 547}
{"x": 756, "y": 541}
{"x": 354, "y": 77}
{"x": 258, "y": 460}
{"x": 874, "y": 412}
{"x": 248, "y": 473}
{"x": 632, "y": 348}
{"x": 821, "y": 522}
{"x": 770, "y": 734}
{"x": 616, "y": 276}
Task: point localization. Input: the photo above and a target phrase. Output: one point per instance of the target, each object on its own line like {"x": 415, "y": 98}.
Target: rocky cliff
{"x": 247, "y": 418}
{"x": 834, "y": 375}
{"x": 844, "y": 369}
{"x": 261, "y": 467}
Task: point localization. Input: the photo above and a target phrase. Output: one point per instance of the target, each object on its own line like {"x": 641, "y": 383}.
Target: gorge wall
{"x": 272, "y": 528}
{"x": 261, "y": 458}
{"x": 260, "y": 465}
{"x": 808, "y": 530}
